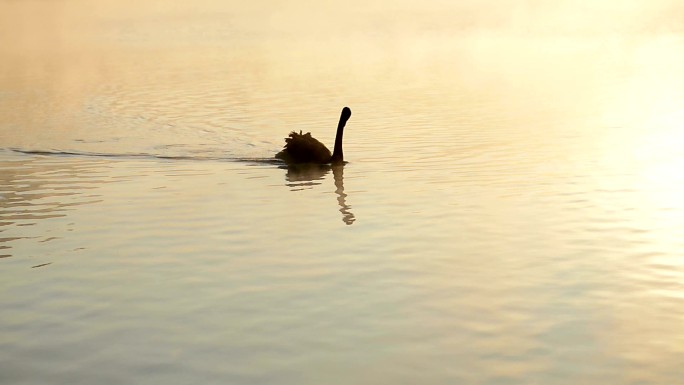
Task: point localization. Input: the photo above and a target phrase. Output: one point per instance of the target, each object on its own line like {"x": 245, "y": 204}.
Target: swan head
{"x": 346, "y": 114}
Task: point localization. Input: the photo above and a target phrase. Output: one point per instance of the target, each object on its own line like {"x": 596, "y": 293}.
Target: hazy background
{"x": 511, "y": 212}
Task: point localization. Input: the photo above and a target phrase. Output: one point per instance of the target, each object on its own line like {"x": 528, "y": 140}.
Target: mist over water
{"x": 511, "y": 211}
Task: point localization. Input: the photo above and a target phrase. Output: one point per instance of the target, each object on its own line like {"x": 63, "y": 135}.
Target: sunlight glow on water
{"x": 511, "y": 211}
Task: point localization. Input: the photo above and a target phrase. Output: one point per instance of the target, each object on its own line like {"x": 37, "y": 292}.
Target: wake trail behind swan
{"x": 143, "y": 155}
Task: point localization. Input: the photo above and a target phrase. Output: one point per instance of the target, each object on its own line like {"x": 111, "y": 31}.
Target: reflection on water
{"x": 347, "y": 216}
{"x": 301, "y": 176}
{"x": 304, "y": 175}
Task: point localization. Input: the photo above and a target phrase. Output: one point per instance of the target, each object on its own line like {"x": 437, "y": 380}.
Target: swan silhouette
{"x": 303, "y": 148}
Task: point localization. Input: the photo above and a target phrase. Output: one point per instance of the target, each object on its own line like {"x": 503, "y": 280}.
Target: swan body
{"x": 304, "y": 148}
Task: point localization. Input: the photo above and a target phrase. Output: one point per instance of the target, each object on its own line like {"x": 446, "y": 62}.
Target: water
{"x": 511, "y": 211}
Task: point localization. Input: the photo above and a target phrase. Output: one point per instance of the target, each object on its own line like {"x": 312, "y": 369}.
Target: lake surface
{"x": 511, "y": 211}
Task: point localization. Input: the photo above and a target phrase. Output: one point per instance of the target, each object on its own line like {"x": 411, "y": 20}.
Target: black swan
{"x": 303, "y": 148}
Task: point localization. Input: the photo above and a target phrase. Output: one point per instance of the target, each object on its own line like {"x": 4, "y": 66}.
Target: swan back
{"x": 303, "y": 148}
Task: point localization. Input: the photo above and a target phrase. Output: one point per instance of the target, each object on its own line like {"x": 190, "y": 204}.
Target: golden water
{"x": 511, "y": 211}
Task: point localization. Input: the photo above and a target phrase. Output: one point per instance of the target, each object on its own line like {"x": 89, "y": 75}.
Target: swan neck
{"x": 338, "y": 156}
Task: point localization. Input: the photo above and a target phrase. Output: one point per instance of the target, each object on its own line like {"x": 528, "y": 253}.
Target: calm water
{"x": 511, "y": 212}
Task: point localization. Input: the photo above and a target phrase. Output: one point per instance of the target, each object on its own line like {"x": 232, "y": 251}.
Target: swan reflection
{"x": 338, "y": 173}
{"x": 301, "y": 176}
